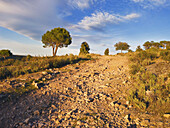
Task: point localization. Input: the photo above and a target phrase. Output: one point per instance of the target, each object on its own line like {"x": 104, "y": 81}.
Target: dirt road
{"x": 88, "y": 94}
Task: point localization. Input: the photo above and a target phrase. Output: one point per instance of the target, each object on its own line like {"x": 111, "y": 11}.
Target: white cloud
{"x": 33, "y": 18}
{"x": 30, "y": 18}
{"x": 80, "y": 3}
{"x": 152, "y": 3}
{"x": 101, "y": 19}
{"x": 83, "y": 4}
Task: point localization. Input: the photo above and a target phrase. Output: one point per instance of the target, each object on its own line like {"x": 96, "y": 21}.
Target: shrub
{"x": 106, "y": 52}
{"x": 5, "y": 53}
{"x": 165, "y": 55}
{"x": 4, "y": 73}
{"x": 130, "y": 50}
{"x": 134, "y": 68}
{"x": 18, "y": 67}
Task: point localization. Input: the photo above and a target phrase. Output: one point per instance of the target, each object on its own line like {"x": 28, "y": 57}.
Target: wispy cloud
{"x": 80, "y": 4}
{"x": 100, "y": 19}
{"x": 152, "y": 3}
{"x": 34, "y": 17}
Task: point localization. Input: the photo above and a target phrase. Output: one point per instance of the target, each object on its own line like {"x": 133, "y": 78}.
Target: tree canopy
{"x": 138, "y": 49}
{"x": 84, "y": 48}
{"x": 57, "y": 37}
{"x": 147, "y": 45}
{"x": 121, "y": 46}
{"x": 5, "y": 53}
{"x": 165, "y": 44}
{"x": 106, "y": 52}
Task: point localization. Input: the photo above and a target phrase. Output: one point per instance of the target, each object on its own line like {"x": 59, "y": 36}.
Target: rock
{"x": 53, "y": 106}
{"x": 127, "y": 102}
{"x": 127, "y": 118}
{"x": 109, "y": 98}
{"x": 44, "y": 73}
{"x": 78, "y": 122}
{"x": 166, "y": 115}
{"x": 57, "y": 122}
{"x": 36, "y": 113}
{"x": 27, "y": 120}
{"x": 60, "y": 116}
{"x": 149, "y": 93}
{"x": 36, "y": 85}
{"x": 43, "y": 79}
{"x": 144, "y": 122}
{"x": 112, "y": 104}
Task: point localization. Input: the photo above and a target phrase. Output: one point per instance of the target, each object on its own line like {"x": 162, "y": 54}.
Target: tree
{"x": 165, "y": 44}
{"x": 138, "y": 49}
{"x": 147, "y": 45}
{"x": 84, "y": 48}
{"x": 156, "y": 45}
{"x": 5, "y": 53}
{"x": 56, "y": 38}
{"x": 121, "y": 46}
{"x": 106, "y": 52}
{"x": 130, "y": 50}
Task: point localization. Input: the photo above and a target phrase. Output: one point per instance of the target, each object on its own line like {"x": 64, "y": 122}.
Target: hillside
{"x": 89, "y": 94}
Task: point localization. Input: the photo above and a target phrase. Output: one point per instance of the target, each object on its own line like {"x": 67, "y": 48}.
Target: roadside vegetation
{"x": 151, "y": 78}
{"x": 11, "y": 67}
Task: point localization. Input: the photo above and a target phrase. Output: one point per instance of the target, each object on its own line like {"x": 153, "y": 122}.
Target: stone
{"x": 44, "y": 73}
{"x": 166, "y": 115}
{"x": 144, "y": 122}
{"x": 36, "y": 113}
{"x": 78, "y": 122}
{"x": 127, "y": 118}
{"x": 43, "y": 79}
{"x": 57, "y": 122}
{"x": 27, "y": 120}
{"x": 60, "y": 116}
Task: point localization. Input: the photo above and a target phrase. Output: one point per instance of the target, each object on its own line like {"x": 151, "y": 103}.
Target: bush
{"x": 106, "y": 52}
{"x": 5, "y": 53}
{"x": 165, "y": 55}
{"x": 16, "y": 67}
{"x": 134, "y": 68}
{"x": 130, "y": 50}
{"x": 150, "y": 92}
{"x": 4, "y": 73}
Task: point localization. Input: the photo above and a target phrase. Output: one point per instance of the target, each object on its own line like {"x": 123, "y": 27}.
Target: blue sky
{"x": 101, "y": 23}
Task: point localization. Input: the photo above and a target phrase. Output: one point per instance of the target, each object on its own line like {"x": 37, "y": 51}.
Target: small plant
{"x": 106, "y": 52}
{"x": 84, "y": 48}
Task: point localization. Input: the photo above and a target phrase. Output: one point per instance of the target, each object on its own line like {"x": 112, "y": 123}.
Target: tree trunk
{"x": 56, "y": 48}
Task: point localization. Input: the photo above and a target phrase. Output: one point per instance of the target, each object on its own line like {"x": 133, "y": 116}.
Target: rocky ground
{"x": 88, "y": 94}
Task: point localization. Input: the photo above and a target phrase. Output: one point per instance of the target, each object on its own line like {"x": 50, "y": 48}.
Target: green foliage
{"x": 15, "y": 67}
{"x": 165, "y": 54}
{"x": 147, "y": 45}
{"x": 121, "y": 46}
{"x": 165, "y": 44}
{"x": 134, "y": 68}
{"x": 5, "y": 53}
{"x": 130, "y": 50}
{"x": 106, "y": 52}
{"x": 84, "y": 48}
{"x": 156, "y": 45}
{"x": 139, "y": 57}
{"x": 150, "y": 91}
{"x": 57, "y": 37}
{"x": 139, "y": 49}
